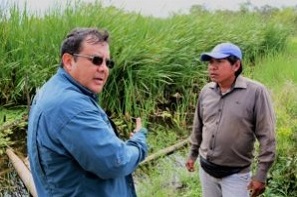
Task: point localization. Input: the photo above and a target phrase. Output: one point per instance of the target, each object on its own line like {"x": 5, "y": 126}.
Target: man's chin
{"x": 214, "y": 80}
{"x": 96, "y": 90}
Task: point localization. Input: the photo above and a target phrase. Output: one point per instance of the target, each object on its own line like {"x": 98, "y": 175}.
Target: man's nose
{"x": 212, "y": 66}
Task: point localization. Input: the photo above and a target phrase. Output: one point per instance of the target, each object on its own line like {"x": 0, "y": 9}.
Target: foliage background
{"x": 158, "y": 77}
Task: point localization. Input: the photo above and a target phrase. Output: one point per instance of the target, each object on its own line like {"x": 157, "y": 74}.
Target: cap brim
{"x": 208, "y": 56}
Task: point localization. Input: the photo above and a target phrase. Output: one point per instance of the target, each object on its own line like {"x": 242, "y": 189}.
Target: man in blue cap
{"x": 231, "y": 114}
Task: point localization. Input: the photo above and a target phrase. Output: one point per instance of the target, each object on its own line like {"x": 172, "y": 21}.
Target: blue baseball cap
{"x": 221, "y": 51}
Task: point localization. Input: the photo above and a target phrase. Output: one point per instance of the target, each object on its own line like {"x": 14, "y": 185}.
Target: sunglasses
{"x": 97, "y": 60}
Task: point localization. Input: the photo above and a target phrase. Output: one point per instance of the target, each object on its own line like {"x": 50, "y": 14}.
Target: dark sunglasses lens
{"x": 97, "y": 60}
{"x": 110, "y": 63}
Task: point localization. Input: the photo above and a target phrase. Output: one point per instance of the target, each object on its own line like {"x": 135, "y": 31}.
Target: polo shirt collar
{"x": 240, "y": 82}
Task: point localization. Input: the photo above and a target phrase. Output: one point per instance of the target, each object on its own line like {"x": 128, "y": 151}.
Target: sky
{"x": 157, "y": 8}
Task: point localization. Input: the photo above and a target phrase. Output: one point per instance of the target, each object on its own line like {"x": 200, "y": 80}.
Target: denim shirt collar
{"x": 61, "y": 72}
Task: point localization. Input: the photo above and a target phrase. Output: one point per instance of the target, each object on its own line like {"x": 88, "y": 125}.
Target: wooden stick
{"x": 165, "y": 151}
{"x": 22, "y": 170}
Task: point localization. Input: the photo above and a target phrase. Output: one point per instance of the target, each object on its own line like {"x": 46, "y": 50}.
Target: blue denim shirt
{"x": 72, "y": 148}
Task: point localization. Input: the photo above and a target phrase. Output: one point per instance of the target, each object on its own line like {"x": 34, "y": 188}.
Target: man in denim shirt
{"x": 72, "y": 146}
{"x": 232, "y": 113}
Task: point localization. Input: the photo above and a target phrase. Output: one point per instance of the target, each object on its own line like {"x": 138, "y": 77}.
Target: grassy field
{"x": 158, "y": 77}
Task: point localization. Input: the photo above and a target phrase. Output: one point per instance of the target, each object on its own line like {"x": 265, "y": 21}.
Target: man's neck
{"x": 226, "y": 85}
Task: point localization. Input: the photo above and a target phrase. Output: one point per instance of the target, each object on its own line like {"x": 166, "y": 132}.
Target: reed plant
{"x": 156, "y": 58}
{"x": 158, "y": 74}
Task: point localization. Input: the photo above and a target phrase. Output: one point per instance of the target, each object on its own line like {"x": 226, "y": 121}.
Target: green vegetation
{"x": 157, "y": 76}
{"x": 279, "y": 72}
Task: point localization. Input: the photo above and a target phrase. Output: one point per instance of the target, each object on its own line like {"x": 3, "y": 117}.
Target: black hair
{"x": 233, "y": 59}
{"x": 73, "y": 41}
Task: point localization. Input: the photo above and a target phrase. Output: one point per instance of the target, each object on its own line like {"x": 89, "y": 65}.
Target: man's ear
{"x": 67, "y": 61}
{"x": 236, "y": 66}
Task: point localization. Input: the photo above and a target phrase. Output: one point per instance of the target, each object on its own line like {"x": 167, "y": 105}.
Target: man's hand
{"x": 137, "y": 127}
{"x": 138, "y": 124}
{"x": 256, "y": 188}
{"x": 190, "y": 165}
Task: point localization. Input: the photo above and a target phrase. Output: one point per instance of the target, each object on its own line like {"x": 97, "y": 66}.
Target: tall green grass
{"x": 279, "y": 73}
{"x": 155, "y": 58}
{"x": 158, "y": 74}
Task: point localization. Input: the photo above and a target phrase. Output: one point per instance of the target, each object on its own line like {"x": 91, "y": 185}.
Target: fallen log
{"x": 165, "y": 151}
{"x": 22, "y": 170}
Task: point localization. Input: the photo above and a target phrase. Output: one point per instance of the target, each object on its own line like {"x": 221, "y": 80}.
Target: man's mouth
{"x": 98, "y": 79}
{"x": 213, "y": 74}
